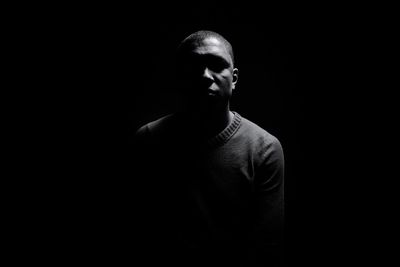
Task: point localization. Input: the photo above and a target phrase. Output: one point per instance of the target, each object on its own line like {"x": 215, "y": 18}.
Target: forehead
{"x": 210, "y": 46}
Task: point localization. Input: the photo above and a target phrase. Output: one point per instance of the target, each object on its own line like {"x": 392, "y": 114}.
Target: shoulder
{"x": 155, "y": 127}
{"x": 256, "y": 134}
{"x": 259, "y": 142}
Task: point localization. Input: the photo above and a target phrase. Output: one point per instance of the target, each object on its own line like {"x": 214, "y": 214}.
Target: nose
{"x": 207, "y": 74}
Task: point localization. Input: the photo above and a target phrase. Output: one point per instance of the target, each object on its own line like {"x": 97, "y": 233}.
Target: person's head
{"x": 205, "y": 71}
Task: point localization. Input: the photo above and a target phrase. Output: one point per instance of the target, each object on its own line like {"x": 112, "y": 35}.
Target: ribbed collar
{"x": 227, "y": 133}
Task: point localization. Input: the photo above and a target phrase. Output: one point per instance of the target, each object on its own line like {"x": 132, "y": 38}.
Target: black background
{"x": 97, "y": 73}
{"x": 267, "y": 53}
{"x": 278, "y": 54}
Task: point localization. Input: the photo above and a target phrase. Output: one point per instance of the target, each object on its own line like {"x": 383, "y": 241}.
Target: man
{"x": 210, "y": 181}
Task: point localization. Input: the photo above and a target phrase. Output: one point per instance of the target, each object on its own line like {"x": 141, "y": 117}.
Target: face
{"x": 207, "y": 75}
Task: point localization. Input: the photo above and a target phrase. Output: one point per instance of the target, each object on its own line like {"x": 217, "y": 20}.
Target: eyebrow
{"x": 209, "y": 56}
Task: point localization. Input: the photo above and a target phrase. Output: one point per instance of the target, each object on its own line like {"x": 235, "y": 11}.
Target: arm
{"x": 266, "y": 233}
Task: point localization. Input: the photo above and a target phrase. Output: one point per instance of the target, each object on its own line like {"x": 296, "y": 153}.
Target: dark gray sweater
{"x": 211, "y": 199}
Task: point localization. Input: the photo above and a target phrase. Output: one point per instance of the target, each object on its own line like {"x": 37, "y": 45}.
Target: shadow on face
{"x": 205, "y": 75}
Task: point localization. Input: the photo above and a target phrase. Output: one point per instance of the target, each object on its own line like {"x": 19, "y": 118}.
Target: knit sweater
{"x": 219, "y": 196}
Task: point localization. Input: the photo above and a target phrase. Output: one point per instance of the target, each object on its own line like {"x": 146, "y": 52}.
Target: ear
{"x": 235, "y": 75}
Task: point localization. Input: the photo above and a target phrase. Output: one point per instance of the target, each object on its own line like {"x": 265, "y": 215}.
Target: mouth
{"x": 210, "y": 92}
{"x": 211, "y": 95}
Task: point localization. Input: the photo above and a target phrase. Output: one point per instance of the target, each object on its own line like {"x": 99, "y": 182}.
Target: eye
{"x": 192, "y": 64}
{"x": 217, "y": 64}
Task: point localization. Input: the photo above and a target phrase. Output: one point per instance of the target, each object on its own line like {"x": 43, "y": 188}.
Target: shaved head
{"x": 205, "y": 73}
{"x": 199, "y": 36}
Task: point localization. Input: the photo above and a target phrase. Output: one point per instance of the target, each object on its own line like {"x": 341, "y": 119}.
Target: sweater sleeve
{"x": 266, "y": 234}
{"x": 141, "y": 139}
{"x": 269, "y": 190}
{"x": 141, "y": 154}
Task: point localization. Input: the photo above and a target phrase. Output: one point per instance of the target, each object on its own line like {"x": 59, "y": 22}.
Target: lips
{"x": 211, "y": 92}
{"x": 204, "y": 92}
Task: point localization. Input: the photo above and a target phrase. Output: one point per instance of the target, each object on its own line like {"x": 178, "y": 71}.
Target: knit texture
{"x": 213, "y": 196}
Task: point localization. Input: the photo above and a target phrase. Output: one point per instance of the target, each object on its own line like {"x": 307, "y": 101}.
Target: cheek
{"x": 226, "y": 76}
{"x": 225, "y": 81}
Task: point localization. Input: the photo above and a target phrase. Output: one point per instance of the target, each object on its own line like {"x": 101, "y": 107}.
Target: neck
{"x": 209, "y": 123}
{"x": 214, "y": 122}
